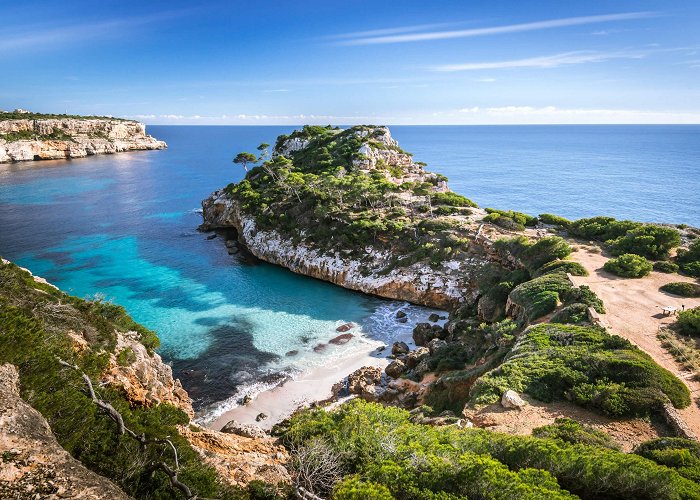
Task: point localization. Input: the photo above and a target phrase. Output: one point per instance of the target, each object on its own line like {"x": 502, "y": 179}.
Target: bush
{"x": 451, "y": 199}
{"x": 382, "y": 446}
{"x": 554, "y": 220}
{"x": 571, "y": 431}
{"x": 629, "y": 265}
{"x": 601, "y": 228}
{"x": 509, "y": 219}
{"x": 584, "y": 295}
{"x": 681, "y": 455}
{"x": 545, "y": 250}
{"x": 689, "y": 259}
{"x": 653, "y": 242}
{"x": 665, "y": 266}
{"x": 682, "y": 289}
{"x": 584, "y": 364}
{"x": 688, "y": 322}
{"x": 353, "y": 488}
{"x": 540, "y": 296}
{"x": 565, "y": 266}
{"x": 572, "y": 314}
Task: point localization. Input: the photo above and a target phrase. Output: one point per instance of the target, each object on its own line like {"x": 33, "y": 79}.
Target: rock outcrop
{"x": 54, "y": 139}
{"x": 33, "y": 464}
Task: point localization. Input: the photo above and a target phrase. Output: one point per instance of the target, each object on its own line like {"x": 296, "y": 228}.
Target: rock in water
{"x": 399, "y": 348}
{"x": 341, "y": 339}
{"x": 400, "y": 314}
{"x": 345, "y": 327}
{"x": 260, "y": 416}
{"x": 434, "y": 318}
{"x": 512, "y": 399}
{"x": 245, "y": 430}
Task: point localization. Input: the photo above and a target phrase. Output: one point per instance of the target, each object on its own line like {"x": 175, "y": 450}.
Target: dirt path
{"x": 634, "y": 311}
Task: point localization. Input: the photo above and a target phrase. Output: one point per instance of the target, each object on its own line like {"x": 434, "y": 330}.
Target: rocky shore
{"x": 58, "y": 139}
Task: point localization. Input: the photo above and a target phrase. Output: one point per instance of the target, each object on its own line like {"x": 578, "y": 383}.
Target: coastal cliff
{"x": 396, "y": 231}
{"x": 89, "y": 410}
{"x": 38, "y": 138}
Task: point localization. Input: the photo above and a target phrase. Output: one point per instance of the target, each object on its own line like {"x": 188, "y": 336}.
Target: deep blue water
{"x": 125, "y": 226}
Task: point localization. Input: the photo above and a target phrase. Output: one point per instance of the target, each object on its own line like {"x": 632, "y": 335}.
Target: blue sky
{"x": 356, "y": 61}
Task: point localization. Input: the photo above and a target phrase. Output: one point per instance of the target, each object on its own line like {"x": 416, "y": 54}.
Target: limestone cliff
{"x": 401, "y": 268}
{"x": 53, "y": 139}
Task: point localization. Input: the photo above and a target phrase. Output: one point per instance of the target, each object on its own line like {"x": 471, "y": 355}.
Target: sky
{"x": 356, "y": 61}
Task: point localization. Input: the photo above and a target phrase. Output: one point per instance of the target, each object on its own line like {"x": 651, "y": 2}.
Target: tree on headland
{"x": 264, "y": 153}
{"x": 245, "y": 159}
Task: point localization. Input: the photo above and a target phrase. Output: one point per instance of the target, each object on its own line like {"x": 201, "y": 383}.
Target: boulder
{"x": 363, "y": 380}
{"x": 320, "y": 347}
{"x": 434, "y": 318}
{"x": 341, "y": 339}
{"x": 435, "y": 345}
{"x": 414, "y": 357}
{"x": 512, "y": 399}
{"x": 402, "y": 320}
{"x": 345, "y": 327}
{"x": 292, "y": 353}
{"x": 245, "y": 430}
{"x": 399, "y": 348}
{"x": 400, "y": 314}
{"x": 425, "y": 332}
{"x": 260, "y": 416}
{"x": 395, "y": 369}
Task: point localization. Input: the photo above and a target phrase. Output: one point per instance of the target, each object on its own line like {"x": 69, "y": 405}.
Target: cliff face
{"x": 33, "y": 464}
{"x": 53, "y": 139}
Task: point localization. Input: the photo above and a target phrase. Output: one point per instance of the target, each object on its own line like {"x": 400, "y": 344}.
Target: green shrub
{"x": 382, "y": 446}
{"x": 540, "y": 296}
{"x": 451, "y": 199}
{"x": 681, "y": 455}
{"x": 688, "y": 322}
{"x": 576, "y": 313}
{"x": 601, "y": 228}
{"x": 665, "y": 266}
{"x": 629, "y": 265}
{"x": 554, "y": 220}
{"x": 682, "y": 289}
{"x": 573, "y": 432}
{"x": 689, "y": 259}
{"x": 653, "y": 242}
{"x": 586, "y": 364}
{"x": 584, "y": 295}
{"x": 509, "y": 219}
{"x": 353, "y": 488}
{"x": 566, "y": 266}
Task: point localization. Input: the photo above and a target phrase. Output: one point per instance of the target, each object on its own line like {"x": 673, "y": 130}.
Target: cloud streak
{"x": 552, "y": 61}
{"x": 494, "y": 30}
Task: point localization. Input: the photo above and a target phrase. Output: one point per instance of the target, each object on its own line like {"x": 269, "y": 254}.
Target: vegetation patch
{"x": 508, "y": 219}
{"x": 681, "y": 455}
{"x": 688, "y": 260}
{"x": 373, "y": 449}
{"x": 665, "y": 266}
{"x": 688, "y": 322}
{"x": 629, "y": 265}
{"x": 573, "y": 432}
{"x": 586, "y": 365}
{"x": 554, "y": 220}
{"x": 565, "y": 266}
{"x": 682, "y": 289}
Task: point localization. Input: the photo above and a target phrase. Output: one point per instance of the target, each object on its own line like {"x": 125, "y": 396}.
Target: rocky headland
{"x": 36, "y": 137}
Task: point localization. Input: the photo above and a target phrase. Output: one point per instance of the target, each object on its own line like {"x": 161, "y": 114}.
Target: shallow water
{"x": 125, "y": 226}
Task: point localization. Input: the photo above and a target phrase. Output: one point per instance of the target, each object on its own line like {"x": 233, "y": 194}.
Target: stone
{"x": 435, "y": 345}
{"x": 345, "y": 327}
{"x": 211, "y": 236}
{"x": 414, "y": 357}
{"x": 260, "y": 416}
{"x": 381, "y": 348}
{"x": 423, "y": 333}
{"x": 341, "y": 339}
{"x": 434, "y": 318}
{"x": 400, "y": 314}
{"x": 320, "y": 347}
{"x": 402, "y": 320}
{"x": 292, "y": 353}
{"x": 399, "y": 348}
{"x": 230, "y": 243}
{"x": 360, "y": 381}
{"x": 395, "y": 369}
{"x": 245, "y": 430}
{"x": 512, "y": 399}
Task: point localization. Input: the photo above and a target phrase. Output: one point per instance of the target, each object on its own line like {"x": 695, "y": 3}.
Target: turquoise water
{"x": 125, "y": 226}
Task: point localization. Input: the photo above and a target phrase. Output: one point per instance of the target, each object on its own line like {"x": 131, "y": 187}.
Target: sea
{"x": 123, "y": 228}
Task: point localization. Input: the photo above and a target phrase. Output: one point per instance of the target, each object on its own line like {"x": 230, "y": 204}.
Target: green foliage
{"x": 451, "y": 199}
{"x": 573, "y": 432}
{"x": 665, "y": 266}
{"x": 682, "y": 289}
{"x": 629, "y": 265}
{"x": 565, "y": 266}
{"x": 383, "y": 447}
{"x": 688, "y": 322}
{"x": 689, "y": 259}
{"x": 509, "y": 219}
{"x": 30, "y": 135}
{"x": 353, "y": 488}
{"x": 540, "y": 296}
{"x": 601, "y": 228}
{"x": 34, "y": 319}
{"x": 554, "y": 220}
{"x": 587, "y": 365}
{"x": 653, "y": 242}
{"x": 681, "y": 455}
{"x": 574, "y": 314}
{"x": 534, "y": 255}
{"x": 49, "y": 116}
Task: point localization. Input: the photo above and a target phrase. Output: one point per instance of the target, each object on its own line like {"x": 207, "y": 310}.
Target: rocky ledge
{"x": 58, "y": 139}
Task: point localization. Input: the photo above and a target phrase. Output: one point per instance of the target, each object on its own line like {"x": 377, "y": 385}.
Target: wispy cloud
{"x": 359, "y": 39}
{"x": 273, "y": 91}
{"x": 390, "y": 31}
{"x": 40, "y": 36}
{"x": 552, "y": 61}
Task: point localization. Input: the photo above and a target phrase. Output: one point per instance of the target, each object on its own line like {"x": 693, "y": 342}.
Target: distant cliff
{"x": 37, "y": 137}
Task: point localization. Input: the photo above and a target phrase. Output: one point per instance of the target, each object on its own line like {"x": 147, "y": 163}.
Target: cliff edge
{"x": 39, "y": 138}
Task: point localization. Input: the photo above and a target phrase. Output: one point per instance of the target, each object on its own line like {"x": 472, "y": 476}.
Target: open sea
{"x": 124, "y": 226}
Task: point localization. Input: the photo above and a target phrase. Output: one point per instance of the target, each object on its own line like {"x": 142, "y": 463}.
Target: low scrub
{"x": 689, "y": 259}
{"x": 586, "y": 365}
{"x": 688, "y": 322}
{"x": 554, "y": 220}
{"x": 573, "y": 432}
{"x": 665, "y": 266}
{"x": 384, "y": 455}
{"x": 508, "y": 219}
{"x": 681, "y": 455}
{"x": 566, "y": 266}
{"x": 629, "y": 265}
{"x": 682, "y": 289}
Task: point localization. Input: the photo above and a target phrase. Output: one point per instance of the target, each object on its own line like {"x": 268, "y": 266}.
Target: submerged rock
{"x": 345, "y": 327}
{"x": 341, "y": 339}
{"x": 399, "y": 348}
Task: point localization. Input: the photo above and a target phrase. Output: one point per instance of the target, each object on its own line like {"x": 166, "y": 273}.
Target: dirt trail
{"x": 634, "y": 311}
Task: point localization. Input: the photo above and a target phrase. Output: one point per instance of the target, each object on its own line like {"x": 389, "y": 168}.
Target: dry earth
{"x": 634, "y": 311}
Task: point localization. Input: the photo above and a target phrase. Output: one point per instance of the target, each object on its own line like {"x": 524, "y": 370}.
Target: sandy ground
{"x": 634, "y": 311}
{"x": 626, "y": 433}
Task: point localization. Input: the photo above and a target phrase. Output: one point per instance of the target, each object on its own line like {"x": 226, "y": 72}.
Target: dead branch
{"x": 141, "y": 438}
